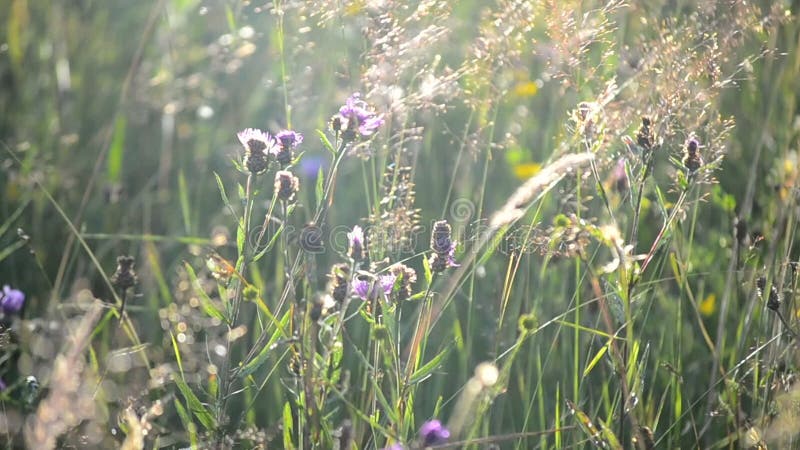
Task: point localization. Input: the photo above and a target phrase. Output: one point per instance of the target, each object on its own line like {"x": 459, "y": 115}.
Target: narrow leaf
{"x": 195, "y": 406}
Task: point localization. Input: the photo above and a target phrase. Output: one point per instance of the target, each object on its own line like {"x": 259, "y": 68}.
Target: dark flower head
{"x": 288, "y": 140}
{"x": 339, "y": 282}
{"x": 11, "y": 300}
{"x": 433, "y": 432}
{"x": 368, "y": 289}
{"x": 692, "y": 159}
{"x": 441, "y": 261}
{"x": 406, "y": 277}
{"x": 645, "y": 135}
{"x": 441, "y": 236}
{"x": 691, "y": 145}
{"x": 124, "y": 276}
{"x": 259, "y": 147}
{"x": 286, "y": 185}
{"x": 355, "y": 240}
{"x": 356, "y": 118}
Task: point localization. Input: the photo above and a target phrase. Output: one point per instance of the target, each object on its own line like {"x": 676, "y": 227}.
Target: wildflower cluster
{"x": 355, "y": 120}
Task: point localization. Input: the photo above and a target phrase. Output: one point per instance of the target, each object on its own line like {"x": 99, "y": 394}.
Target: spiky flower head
{"x": 433, "y": 432}
{"x": 442, "y": 246}
{"x": 441, "y": 237}
{"x": 259, "y": 147}
{"x": 286, "y": 185}
{"x": 288, "y": 140}
{"x": 356, "y": 118}
{"x": 406, "y": 277}
{"x": 124, "y": 276}
{"x": 339, "y": 282}
{"x": 356, "y": 246}
{"x": 441, "y": 261}
{"x": 644, "y": 138}
{"x": 370, "y": 289}
{"x": 11, "y": 300}
{"x": 692, "y": 159}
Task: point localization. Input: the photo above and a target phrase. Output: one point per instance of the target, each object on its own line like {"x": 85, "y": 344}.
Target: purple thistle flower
{"x": 11, "y": 300}
{"x": 258, "y": 148}
{"x": 433, "y": 432}
{"x": 289, "y": 138}
{"x": 395, "y": 446}
{"x": 288, "y": 141}
{"x": 356, "y": 240}
{"x": 356, "y": 115}
{"x": 441, "y": 261}
{"x": 370, "y": 289}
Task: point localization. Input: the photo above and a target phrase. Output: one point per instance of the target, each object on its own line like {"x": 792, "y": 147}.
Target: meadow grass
{"x": 378, "y": 224}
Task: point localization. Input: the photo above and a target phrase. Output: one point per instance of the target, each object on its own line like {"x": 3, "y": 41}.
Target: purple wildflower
{"x": 395, "y": 446}
{"x": 258, "y": 148}
{"x": 369, "y": 289}
{"x": 11, "y": 300}
{"x": 288, "y": 140}
{"x": 443, "y": 247}
{"x": 356, "y": 243}
{"x": 433, "y": 432}
{"x": 441, "y": 261}
{"x": 354, "y": 116}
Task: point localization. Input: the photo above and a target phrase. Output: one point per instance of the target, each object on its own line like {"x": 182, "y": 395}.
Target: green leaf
{"x": 117, "y": 150}
{"x": 596, "y": 359}
{"x": 222, "y": 190}
{"x": 195, "y": 406}
{"x": 177, "y": 352}
{"x": 326, "y": 142}
{"x": 205, "y": 302}
{"x": 261, "y": 358}
{"x": 610, "y": 437}
{"x": 426, "y": 266}
{"x": 288, "y": 426}
{"x": 319, "y": 190}
{"x": 240, "y": 238}
{"x": 269, "y": 245}
{"x": 183, "y": 195}
{"x": 424, "y": 371}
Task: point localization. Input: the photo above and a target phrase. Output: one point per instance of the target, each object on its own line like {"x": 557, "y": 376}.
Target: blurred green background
{"x": 123, "y": 111}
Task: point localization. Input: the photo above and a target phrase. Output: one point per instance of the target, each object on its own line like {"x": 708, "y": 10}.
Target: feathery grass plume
{"x": 517, "y": 204}
{"x": 486, "y": 375}
{"x": 72, "y": 389}
{"x": 396, "y": 221}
